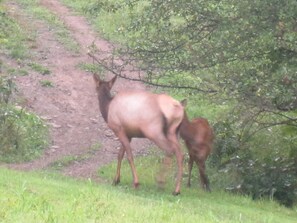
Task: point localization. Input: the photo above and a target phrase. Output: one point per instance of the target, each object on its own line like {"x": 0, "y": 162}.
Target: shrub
{"x": 6, "y": 88}
{"x": 23, "y": 135}
{"x": 275, "y": 178}
{"x": 262, "y": 167}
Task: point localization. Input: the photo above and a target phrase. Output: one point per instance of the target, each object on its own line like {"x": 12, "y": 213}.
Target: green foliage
{"x": 242, "y": 52}
{"x": 274, "y": 178}
{"x": 23, "y": 135}
{"x": 261, "y": 167}
{"x": 6, "y": 88}
{"x": 11, "y": 37}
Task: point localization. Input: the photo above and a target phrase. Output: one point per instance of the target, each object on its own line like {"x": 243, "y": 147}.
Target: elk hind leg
{"x": 165, "y": 145}
{"x": 190, "y": 167}
{"x": 172, "y": 136}
{"x": 203, "y": 177}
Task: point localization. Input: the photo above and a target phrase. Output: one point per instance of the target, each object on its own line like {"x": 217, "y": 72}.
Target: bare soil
{"x": 70, "y": 107}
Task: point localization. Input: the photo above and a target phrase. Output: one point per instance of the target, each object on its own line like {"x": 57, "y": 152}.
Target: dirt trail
{"x": 71, "y": 106}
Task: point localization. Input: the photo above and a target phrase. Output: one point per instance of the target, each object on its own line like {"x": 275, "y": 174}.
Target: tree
{"x": 243, "y": 52}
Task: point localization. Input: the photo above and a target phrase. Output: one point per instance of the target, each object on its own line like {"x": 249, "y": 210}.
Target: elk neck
{"x": 185, "y": 127}
{"x": 104, "y": 100}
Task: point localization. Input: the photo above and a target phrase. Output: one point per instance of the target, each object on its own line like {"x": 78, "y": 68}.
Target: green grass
{"x": 46, "y": 83}
{"x": 69, "y": 160}
{"x": 108, "y": 23}
{"x": 39, "y": 68}
{"x": 42, "y": 197}
{"x": 91, "y": 68}
{"x": 33, "y": 8}
{"x": 18, "y": 71}
{"x": 12, "y": 37}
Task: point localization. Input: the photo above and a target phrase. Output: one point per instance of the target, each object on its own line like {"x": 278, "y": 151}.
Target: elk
{"x": 141, "y": 114}
{"x": 198, "y": 137}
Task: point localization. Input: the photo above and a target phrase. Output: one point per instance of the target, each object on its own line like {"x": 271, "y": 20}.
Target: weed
{"x": 20, "y": 72}
{"x": 39, "y": 68}
{"x": 92, "y": 68}
{"x": 46, "y": 83}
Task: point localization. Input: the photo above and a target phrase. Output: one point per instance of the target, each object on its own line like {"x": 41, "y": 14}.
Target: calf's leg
{"x": 203, "y": 177}
{"x": 190, "y": 167}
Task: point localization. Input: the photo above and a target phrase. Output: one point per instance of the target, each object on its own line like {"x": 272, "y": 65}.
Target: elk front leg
{"x": 121, "y": 154}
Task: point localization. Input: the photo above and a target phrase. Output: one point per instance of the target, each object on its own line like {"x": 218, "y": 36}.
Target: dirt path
{"x": 71, "y": 106}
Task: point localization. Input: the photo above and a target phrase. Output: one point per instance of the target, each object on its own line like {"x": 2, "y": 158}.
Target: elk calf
{"x": 142, "y": 114}
{"x": 198, "y": 136}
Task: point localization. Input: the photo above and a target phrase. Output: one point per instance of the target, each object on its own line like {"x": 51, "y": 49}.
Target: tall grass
{"x": 26, "y": 197}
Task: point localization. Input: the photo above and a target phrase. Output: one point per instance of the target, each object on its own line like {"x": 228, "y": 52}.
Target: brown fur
{"x": 198, "y": 136}
{"x": 141, "y": 114}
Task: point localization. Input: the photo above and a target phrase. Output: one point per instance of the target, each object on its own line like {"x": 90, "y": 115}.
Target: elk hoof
{"x": 174, "y": 193}
{"x": 208, "y": 190}
{"x": 161, "y": 185}
{"x": 136, "y": 185}
{"x": 115, "y": 182}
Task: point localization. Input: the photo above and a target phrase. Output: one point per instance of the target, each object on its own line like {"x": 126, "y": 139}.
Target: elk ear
{"x": 184, "y": 102}
{"x": 111, "y": 82}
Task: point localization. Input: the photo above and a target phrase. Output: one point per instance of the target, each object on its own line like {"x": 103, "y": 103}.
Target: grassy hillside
{"x": 27, "y": 197}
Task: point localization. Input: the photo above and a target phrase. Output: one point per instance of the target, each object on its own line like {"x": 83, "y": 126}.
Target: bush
{"x": 263, "y": 167}
{"x": 22, "y": 135}
{"x": 275, "y": 178}
{"x": 6, "y": 88}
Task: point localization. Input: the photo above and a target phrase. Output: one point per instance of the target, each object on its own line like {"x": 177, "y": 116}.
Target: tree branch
{"x": 139, "y": 79}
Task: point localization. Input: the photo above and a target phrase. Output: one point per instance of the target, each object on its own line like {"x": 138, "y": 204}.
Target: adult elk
{"x": 198, "y": 137}
{"x": 140, "y": 114}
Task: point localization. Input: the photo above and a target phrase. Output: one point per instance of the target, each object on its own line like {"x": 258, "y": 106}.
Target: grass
{"x": 18, "y": 71}
{"x": 33, "y": 8}
{"x": 43, "y": 197}
{"x": 39, "y": 68}
{"x": 89, "y": 67}
{"x": 11, "y": 37}
{"x": 46, "y": 83}
{"x": 69, "y": 160}
{"x": 107, "y": 24}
